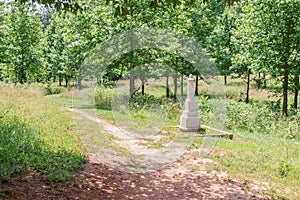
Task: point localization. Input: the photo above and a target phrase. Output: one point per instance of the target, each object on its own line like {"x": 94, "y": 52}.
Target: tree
{"x": 3, "y": 36}
{"x": 279, "y": 25}
{"x": 272, "y": 28}
{"x": 70, "y": 5}
{"x": 55, "y": 47}
{"x": 220, "y": 44}
{"x": 24, "y": 34}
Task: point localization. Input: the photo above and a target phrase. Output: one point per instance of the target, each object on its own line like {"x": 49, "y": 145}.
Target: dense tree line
{"x": 48, "y": 42}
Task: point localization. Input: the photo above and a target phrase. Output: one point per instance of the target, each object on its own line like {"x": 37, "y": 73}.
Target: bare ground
{"x": 103, "y": 181}
{"x": 97, "y": 181}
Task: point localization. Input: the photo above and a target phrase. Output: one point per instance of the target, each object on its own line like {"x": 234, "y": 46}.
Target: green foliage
{"x": 220, "y": 44}
{"x": 23, "y": 33}
{"x": 17, "y": 147}
{"x": 51, "y": 89}
{"x": 139, "y": 101}
{"x": 103, "y": 97}
{"x": 35, "y": 135}
{"x": 250, "y": 117}
{"x": 266, "y": 39}
{"x": 284, "y": 168}
{"x": 257, "y": 117}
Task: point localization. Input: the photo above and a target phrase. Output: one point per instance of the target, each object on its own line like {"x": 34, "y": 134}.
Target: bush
{"x": 260, "y": 117}
{"x": 139, "y": 101}
{"x": 48, "y": 90}
{"x": 103, "y": 97}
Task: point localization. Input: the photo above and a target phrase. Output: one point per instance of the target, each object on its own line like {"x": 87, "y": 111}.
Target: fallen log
{"x": 222, "y": 133}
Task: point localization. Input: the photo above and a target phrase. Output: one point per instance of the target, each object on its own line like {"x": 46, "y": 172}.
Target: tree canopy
{"x": 49, "y": 43}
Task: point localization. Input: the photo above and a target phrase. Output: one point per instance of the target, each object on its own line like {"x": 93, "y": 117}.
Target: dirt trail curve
{"x": 98, "y": 181}
{"x": 145, "y": 158}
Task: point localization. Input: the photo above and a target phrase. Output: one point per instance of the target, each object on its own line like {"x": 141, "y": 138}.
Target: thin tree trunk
{"x": 225, "y": 79}
{"x": 131, "y": 89}
{"x": 142, "y": 78}
{"x": 181, "y": 85}
{"x": 285, "y": 92}
{"x": 175, "y": 78}
{"x": 22, "y": 76}
{"x": 143, "y": 87}
{"x": 196, "y": 88}
{"x": 297, "y": 86}
{"x": 167, "y": 87}
{"x": 59, "y": 80}
{"x": 248, "y": 86}
{"x": 175, "y": 85}
{"x": 79, "y": 79}
{"x": 67, "y": 81}
{"x": 265, "y": 81}
{"x": 259, "y": 80}
{"x": 286, "y": 44}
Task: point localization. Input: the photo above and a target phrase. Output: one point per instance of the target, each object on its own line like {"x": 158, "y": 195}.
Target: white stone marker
{"x": 190, "y": 120}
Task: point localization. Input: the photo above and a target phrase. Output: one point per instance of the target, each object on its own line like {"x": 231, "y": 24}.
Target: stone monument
{"x": 190, "y": 120}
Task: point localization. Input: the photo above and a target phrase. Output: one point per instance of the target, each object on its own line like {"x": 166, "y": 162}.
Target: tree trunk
{"x": 22, "y": 76}
{"x": 142, "y": 78}
{"x": 285, "y": 92}
{"x": 265, "y": 81}
{"x": 67, "y": 81}
{"x": 196, "y": 88}
{"x": 175, "y": 85}
{"x": 79, "y": 79}
{"x": 167, "y": 87}
{"x": 297, "y": 86}
{"x": 259, "y": 80}
{"x": 143, "y": 87}
{"x": 59, "y": 80}
{"x": 225, "y": 79}
{"x": 181, "y": 84}
{"x": 248, "y": 86}
{"x": 131, "y": 89}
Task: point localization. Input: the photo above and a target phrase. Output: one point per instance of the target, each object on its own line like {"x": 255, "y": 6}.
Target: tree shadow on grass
{"x": 20, "y": 150}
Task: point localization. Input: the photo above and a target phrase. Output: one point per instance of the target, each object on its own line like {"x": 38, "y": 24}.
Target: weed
{"x": 284, "y": 168}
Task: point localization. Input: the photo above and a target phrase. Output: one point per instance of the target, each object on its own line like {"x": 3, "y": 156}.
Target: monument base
{"x": 184, "y": 129}
{"x": 191, "y": 124}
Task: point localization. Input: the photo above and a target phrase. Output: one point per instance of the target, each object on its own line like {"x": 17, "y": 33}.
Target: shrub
{"x": 48, "y": 90}
{"x": 103, "y": 97}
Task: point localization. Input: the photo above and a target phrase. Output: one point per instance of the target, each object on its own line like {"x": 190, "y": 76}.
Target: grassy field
{"x": 265, "y": 148}
{"x": 37, "y": 133}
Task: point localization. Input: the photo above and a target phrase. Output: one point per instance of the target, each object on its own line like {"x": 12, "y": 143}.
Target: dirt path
{"x": 98, "y": 181}
{"x": 144, "y": 157}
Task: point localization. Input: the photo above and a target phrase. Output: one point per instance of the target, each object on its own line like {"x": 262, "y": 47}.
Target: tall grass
{"x": 35, "y": 134}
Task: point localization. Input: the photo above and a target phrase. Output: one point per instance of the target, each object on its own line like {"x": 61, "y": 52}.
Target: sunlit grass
{"x": 261, "y": 158}
{"x": 35, "y": 134}
{"x": 265, "y": 147}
